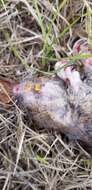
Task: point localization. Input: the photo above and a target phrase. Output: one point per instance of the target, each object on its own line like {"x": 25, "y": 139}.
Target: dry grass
{"x": 37, "y": 34}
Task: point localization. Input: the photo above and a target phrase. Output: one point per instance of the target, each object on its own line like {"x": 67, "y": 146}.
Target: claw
{"x": 75, "y": 80}
{"x": 81, "y": 46}
{"x": 68, "y": 73}
{"x": 60, "y": 70}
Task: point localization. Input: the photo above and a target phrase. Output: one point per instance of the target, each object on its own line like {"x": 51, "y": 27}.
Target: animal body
{"x": 54, "y": 105}
{"x": 47, "y": 101}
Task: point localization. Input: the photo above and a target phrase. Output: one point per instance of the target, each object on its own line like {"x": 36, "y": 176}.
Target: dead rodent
{"x": 49, "y": 106}
{"x": 52, "y": 107}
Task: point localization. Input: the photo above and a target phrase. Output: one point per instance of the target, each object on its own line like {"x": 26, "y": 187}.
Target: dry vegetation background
{"x": 37, "y": 33}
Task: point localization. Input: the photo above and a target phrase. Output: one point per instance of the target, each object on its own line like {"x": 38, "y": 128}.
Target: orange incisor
{"x": 28, "y": 87}
{"x": 37, "y": 87}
